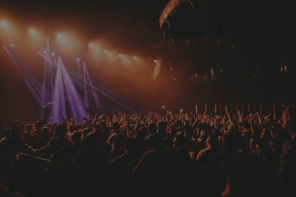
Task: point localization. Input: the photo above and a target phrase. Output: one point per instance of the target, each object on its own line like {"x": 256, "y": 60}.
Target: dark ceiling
{"x": 130, "y": 24}
{"x": 134, "y": 24}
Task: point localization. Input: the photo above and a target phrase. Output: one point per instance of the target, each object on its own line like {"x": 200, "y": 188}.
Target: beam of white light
{"x": 4, "y": 24}
{"x": 32, "y": 31}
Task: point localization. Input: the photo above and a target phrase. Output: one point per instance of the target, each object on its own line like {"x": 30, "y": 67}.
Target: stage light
{"x": 77, "y": 59}
{"x": 196, "y": 75}
{"x": 181, "y": 110}
{"x": 134, "y": 57}
{"x": 119, "y": 55}
{"x": 52, "y": 53}
{"x": 12, "y": 45}
{"x": 163, "y": 106}
{"x": 32, "y": 31}
{"x": 105, "y": 51}
{"x": 44, "y": 51}
{"x": 90, "y": 44}
{"x": 155, "y": 61}
{"x": 67, "y": 41}
{"x": 3, "y": 24}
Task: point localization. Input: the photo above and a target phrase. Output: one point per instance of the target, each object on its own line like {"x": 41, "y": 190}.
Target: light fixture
{"x": 3, "y": 23}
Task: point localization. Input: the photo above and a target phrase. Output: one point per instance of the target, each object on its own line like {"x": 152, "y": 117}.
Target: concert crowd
{"x": 239, "y": 154}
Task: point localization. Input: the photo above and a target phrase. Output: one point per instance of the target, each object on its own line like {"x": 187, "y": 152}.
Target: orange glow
{"x": 68, "y": 42}
{"x": 126, "y": 61}
{"x": 36, "y": 38}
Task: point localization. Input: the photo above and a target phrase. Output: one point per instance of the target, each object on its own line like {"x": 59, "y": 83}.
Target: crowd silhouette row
{"x": 239, "y": 154}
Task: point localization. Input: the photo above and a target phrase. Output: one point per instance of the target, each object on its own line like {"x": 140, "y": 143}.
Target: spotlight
{"x": 163, "y": 106}
{"x": 44, "y": 51}
{"x": 134, "y": 57}
{"x": 12, "y": 45}
{"x": 105, "y": 51}
{"x": 32, "y": 31}
{"x": 119, "y": 55}
{"x": 3, "y": 24}
{"x": 181, "y": 110}
{"x": 90, "y": 44}
{"x": 155, "y": 61}
{"x": 52, "y": 53}
{"x": 60, "y": 36}
{"x": 77, "y": 59}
